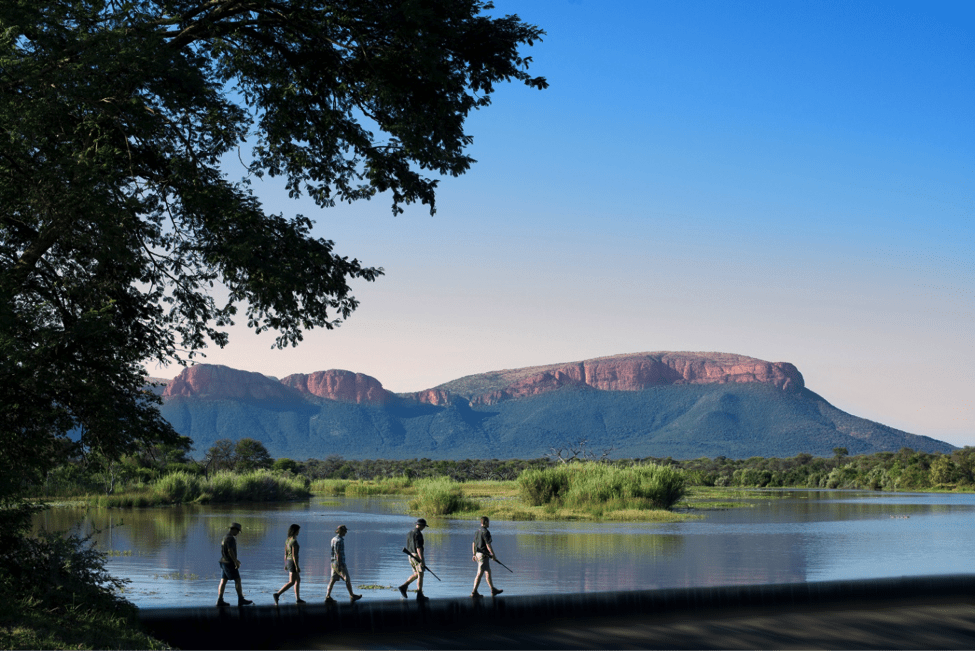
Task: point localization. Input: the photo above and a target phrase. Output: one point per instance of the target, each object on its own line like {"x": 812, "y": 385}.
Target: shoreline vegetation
{"x": 538, "y": 489}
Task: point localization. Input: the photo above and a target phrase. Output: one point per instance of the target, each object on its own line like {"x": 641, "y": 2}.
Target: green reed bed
{"x": 364, "y": 487}
{"x": 441, "y": 496}
{"x": 603, "y": 487}
{"x": 182, "y": 488}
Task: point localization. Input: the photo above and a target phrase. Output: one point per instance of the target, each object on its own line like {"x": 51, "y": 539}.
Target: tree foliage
{"x": 117, "y": 221}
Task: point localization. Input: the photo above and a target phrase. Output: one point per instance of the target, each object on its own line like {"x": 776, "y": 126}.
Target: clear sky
{"x": 793, "y": 181}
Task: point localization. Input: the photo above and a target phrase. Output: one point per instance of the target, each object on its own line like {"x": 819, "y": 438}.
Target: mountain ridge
{"x": 659, "y": 404}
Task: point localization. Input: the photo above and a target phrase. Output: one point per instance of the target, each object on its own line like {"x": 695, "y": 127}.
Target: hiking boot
{"x": 477, "y": 595}
{"x": 276, "y": 597}
{"x": 402, "y": 591}
{"x": 421, "y": 597}
{"x": 222, "y": 604}
{"x": 330, "y": 601}
{"x": 298, "y": 601}
{"x": 355, "y": 597}
{"x": 244, "y": 602}
{"x": 495, "y": 591}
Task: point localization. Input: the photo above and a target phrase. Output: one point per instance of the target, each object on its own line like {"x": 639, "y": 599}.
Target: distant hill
{"x": 682, "y": 405}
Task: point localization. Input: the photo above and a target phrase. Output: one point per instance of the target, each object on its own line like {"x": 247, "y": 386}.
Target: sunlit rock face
{"x": 642, "y": 371}
{"x": 216, "y": 382}
{"x": 344, "y": 386}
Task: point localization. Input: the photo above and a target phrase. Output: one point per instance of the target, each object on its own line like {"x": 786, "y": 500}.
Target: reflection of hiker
{"x": 339, "y": 569}
{"x": 229, "y": 565}
{"x": 414, "y": 546}
{"x": 483, "y": 553}
{"x": 291, "y": 565}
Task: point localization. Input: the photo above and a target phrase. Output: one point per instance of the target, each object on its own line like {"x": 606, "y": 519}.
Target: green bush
{"x": 598, "y": 487}
{"x": 543, "y": 486}
{"x": 441, "y": 496}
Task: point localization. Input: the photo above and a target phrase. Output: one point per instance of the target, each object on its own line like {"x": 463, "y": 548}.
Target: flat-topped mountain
{"x": 678, "y": 404}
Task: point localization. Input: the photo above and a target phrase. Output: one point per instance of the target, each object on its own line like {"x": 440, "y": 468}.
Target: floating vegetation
{"x": 182, "y": 576}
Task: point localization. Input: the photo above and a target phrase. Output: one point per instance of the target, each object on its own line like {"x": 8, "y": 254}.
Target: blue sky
{"x": 794, "y": 181}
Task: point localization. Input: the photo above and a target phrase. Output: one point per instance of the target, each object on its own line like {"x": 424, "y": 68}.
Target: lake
{"x": 170, "y": 554}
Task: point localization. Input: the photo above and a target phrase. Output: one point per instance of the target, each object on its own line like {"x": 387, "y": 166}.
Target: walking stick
{"x": 407, "y": 552}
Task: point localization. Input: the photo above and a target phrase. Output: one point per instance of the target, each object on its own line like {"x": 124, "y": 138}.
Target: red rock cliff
{"x": 224, "y": 383}
{"x": 344, "y": 386}
{"x": 644, "y": 370}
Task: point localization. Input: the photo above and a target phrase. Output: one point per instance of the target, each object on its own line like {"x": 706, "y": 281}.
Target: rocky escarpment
{"x": 344, "y": 386}
{"x": 215, "y": 382}
{"x": 632, "y": 372}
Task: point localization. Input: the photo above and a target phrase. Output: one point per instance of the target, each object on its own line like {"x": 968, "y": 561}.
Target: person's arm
{"x": 490, "y": 550}
{"x": 232, "y": 553}
{"x": 294, "y": 555}
{"x": 474, "y": 549}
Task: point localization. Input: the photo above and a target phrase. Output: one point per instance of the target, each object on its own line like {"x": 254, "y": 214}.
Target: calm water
{"x": 170, "y": 554}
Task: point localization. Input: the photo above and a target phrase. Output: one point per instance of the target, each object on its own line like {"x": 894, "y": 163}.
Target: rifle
{"x": 407, "y": 552}
{"x": 502, "y": 564}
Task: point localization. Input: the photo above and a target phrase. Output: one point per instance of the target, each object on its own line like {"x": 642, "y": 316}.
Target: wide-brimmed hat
{"x": 234, "y": 525}
{"x": 341, "y": 528}
{"x": 422, "y": 521}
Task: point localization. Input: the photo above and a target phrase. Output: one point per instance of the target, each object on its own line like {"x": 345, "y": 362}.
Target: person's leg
{"x": 331, "y": 584}
{"x": 477, "y": 579}
{"x": 487, "y": 577}
{"x": 240, "y": 589}
{"x": 296, "y": 579}
{"x": 410, "y": 580}
{"x": 223, "y": 586}
{"x": 348, "y": 586}
{"x": 284, "y": 588}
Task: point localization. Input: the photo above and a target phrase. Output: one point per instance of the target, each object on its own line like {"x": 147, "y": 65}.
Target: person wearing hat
{"x": 339, "y": 569}
{"x": 414, "y": 546}
{"x": 229, "y": 566}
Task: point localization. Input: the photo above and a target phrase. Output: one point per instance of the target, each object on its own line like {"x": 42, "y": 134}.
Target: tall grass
{"x": 361, "y": 488}
{"x": 441, "y": 496}
{"x": 600, "y": 486}
{"x": 182, "y": 487}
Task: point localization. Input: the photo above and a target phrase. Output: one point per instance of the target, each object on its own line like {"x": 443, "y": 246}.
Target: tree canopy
{"x": 117, "y": 220}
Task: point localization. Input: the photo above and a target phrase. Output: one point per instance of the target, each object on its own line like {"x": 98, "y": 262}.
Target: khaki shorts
{"x": 340, "y": 570}
{"x": 416, "y": 565}
{"x": 483, "y": 561}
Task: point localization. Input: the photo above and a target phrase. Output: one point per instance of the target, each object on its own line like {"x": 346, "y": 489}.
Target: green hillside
{"x": 682, "y": 421}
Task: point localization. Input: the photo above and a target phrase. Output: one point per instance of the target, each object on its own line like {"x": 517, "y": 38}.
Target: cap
{"x": 234, "y": 525}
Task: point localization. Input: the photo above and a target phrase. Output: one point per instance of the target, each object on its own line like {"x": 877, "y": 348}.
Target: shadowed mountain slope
{"x": 682, "y": 405}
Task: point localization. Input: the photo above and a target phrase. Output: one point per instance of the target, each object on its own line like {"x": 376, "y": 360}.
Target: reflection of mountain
{"x": 683, "y": 405}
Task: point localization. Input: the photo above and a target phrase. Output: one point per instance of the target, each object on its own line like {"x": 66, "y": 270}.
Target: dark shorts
{"x": 290, "y": 567}
{"x": 230, "y": 572}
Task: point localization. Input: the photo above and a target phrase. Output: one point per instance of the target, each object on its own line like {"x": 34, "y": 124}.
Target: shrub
{"x": 441, "y": 496}
{"x": 543, "y": 486}
{"x": 597, "y": 487}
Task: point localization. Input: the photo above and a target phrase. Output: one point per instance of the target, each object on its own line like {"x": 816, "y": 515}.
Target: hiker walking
{"x": 339, "y": 569}
{"x": 291, "y": 566}
{"x": 483, "y": 553}
{"x": 414, "y": 547}
{"x": 229, "y": 567}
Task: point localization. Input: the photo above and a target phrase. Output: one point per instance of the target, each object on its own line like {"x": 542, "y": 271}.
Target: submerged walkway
{"x": 901, "y": 613}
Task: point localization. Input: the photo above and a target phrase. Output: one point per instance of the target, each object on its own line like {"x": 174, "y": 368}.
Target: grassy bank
{"x": 183, "y": 488}
{"x": 583, "y": 491}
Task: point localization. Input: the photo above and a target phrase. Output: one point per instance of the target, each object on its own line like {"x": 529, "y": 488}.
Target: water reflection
{"x": 170, "y": 554}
